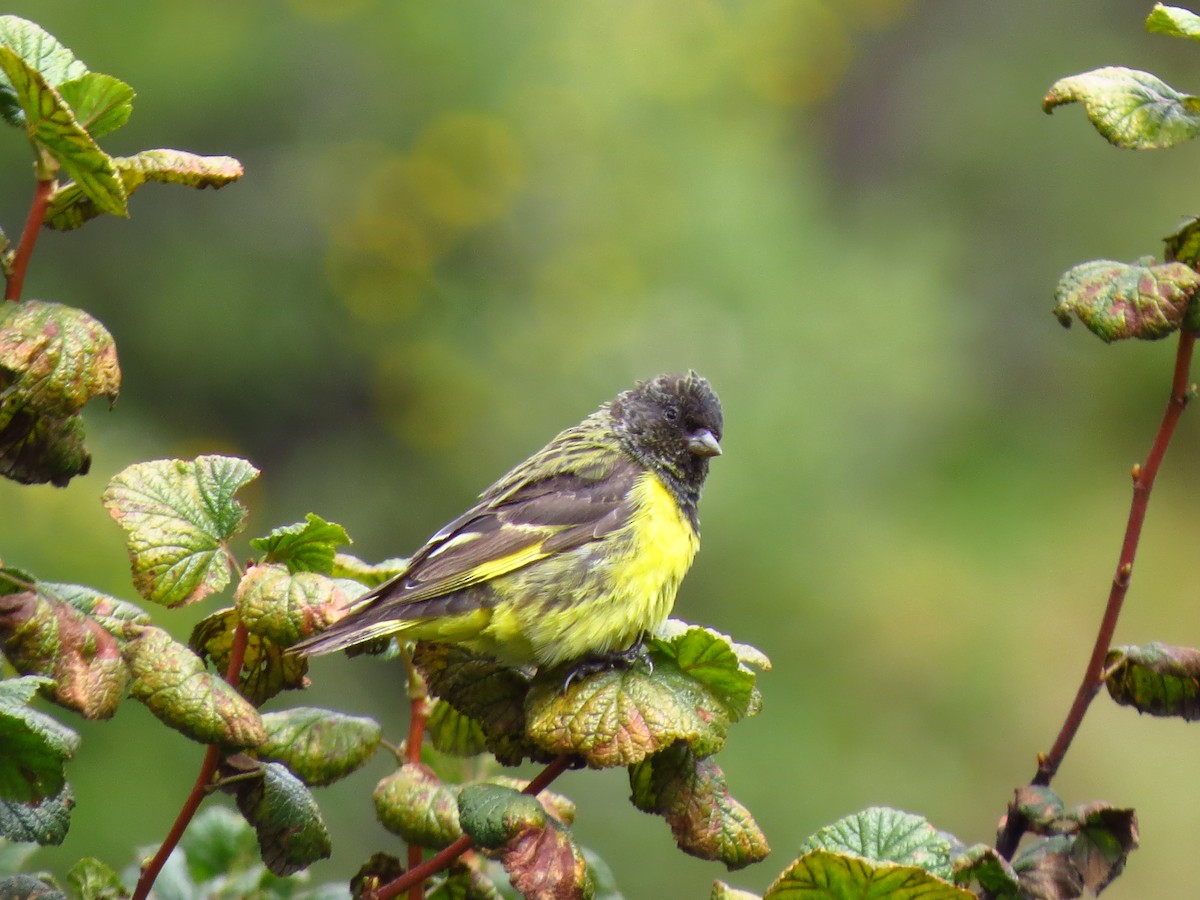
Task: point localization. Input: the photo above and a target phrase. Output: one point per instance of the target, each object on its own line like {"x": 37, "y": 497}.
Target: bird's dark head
{"x": 673, "y": 424}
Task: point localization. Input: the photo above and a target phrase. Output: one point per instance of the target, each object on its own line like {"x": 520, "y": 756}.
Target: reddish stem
{"x": 29, "y": 236}
{"x": 1093, "y": 677}
{"x": 418, "y": 716}
{"x": 208, "y": 768}
{"x": 445, "y": 857}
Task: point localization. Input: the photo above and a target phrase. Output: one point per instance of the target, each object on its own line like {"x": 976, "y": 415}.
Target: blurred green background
{"x": 464, "y": 225}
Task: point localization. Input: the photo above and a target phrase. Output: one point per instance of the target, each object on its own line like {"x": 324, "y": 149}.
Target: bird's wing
{"x": 526, "y": 524}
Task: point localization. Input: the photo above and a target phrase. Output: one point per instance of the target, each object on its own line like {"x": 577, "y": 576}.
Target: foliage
{"x": 86, "y": 651}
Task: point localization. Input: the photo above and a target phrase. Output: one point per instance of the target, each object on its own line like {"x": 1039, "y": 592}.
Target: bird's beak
{"x": 704, "y": 443}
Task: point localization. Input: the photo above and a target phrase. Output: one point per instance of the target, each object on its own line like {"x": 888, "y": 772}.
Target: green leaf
{"x": 218, "y": 843}
{"x": 826, "y": 875}
{"x": 101, "y": 103}
{"x": 71, "y": 205}
{"x": 43, "y": 821}
{"x": 1118, "y": 300}
{"x": 463, "y": 881}
{"x": 993, "y": 872}
{"x": 1183, "y": 244}
{"x": 33, "y": 746}
{"x": 1173, "y": 21}
{"x": 54, "y": 359}
{"x": 722, "y": 891}
{"x": 367, "y": 574}
{"x": 40, "y": 49}
{"x": 50, "y": 124}
{"x": 450, "y": 731}
{"x": 291, "y": 833}
{"x": 484, "y": 690}
{"x": 414, "y": 804}
{"x": 319, "y": 746}
{"x": 710, "y": 658}
{"x": 37, "y": 449}
{"x": 690, "y": 793}
{"x": 121, "y": 619}
{"x": 1155, "y": 679}
{"x": 177, "y": 515}
{"x": 43, "y": 636}
{"x": 618, "y": 717}
{"x": 176, "y": 688}
{"x": 307, "y": 546}
{"x": 1106, "y": 838}
{"x": 886, "y": 835}
{"x": 749, "y": 656}
{"x": 30, "y": 887}
{"x": 283, "y": 607}
{"x": 266, "y": 668}
{"x": 1131, "y": 109}
{"x": 91, "y": 879}
{"x": 1042, "y": 807}
{"x": 539, "y": 855}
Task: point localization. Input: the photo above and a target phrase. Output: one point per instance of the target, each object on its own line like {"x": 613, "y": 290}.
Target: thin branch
{"x": 446, "y": 856}
{"x": 208, "y": 768}
{"x": 1093, "y": 677}
{"x": 29, "y": 236}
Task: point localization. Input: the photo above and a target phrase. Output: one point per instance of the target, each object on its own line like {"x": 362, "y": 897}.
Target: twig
{"x": 208, "y": 768}
{"x": 29, "y": 236}
{"x": 446, "y": 856}
{"x": 1093, "y": 677}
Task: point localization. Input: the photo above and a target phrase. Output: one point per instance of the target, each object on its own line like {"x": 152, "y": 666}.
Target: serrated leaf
{"x": 266, "y": 668}
{"x": 1042, "y": 807}
{"x": 217, "y": 843}
{"x": 55, "y": 358}
{"x": 42, "y": 821}
{"x": 825, "y": 875}
{"x": 42, "y": 51}
{"x": 462, "y": 881}
{"x": 1106, "y": 838}
{"x": 542, "y": 860}
{"x": 291, "y": 833}
{"x": 414, "y": 804}
{"x": 307, "y": 546}
{"x": 33, "y": 746}
{"x": 1183, "y": 244}
{"x": 71, "y": 206}
{"x": 994, "y": 873}
{"x": 122, "y": 619}
{"x": 177, "y": 515}
{"x": 282, "y": 606}
{"x": 1131, "y": 109}
{"x": 1118, "y": 300}
{"x": 450, "y": 731}
{"x": 181, "y": 693}
{"x": 380, "y": 869}
{"x": 709, "y": 658}
{"x": 1155, "y": 678}
{"x": 37, "y": 449}
{"x": 90, "y": 879}
{"x": 619, "y": 717}
{"x": 746, "y": 654}
{"x": 1046, "y": 870}
{"x": 484, "y": 690}
{"x": 1173, "y": 21}
{"x": 30, "y": 887}
{"x": 101, "y": 103}
{"x": 886, "y": 835}
{"x": 41, "y": 635}
{"x": 319, "y": 746}
{"x": 705, "y": 820}
{"x": 50, "y": 124}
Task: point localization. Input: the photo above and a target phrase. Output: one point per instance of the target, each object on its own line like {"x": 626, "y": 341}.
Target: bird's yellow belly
{"x": 619, "y": 588}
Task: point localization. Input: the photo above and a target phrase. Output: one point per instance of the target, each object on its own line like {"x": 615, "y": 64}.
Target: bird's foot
{"x": 592, "y": 664}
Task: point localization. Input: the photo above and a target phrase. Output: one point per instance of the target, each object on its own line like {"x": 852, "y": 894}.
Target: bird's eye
{"x": 670, "y": 414}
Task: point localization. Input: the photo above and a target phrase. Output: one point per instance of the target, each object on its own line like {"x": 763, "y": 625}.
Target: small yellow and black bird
{"x": 573, "y": 555}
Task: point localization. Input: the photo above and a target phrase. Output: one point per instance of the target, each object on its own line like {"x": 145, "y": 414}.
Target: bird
{"x": 573, "y": 556}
